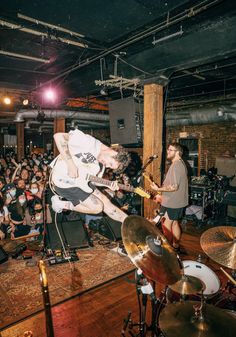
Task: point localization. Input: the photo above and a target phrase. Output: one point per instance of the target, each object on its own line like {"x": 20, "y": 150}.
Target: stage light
{"x": 7, "y": 100}
{"x": 50, "y": 95}
{"x": 25, "y": 102}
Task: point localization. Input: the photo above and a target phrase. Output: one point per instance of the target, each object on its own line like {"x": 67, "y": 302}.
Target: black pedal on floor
{"x": 57, "y": 257}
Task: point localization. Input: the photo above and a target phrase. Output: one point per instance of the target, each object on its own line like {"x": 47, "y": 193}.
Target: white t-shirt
{"x": 84, "y": 147}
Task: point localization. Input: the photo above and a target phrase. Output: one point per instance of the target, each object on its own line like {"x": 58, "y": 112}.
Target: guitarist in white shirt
{"x": 82, "y": 155}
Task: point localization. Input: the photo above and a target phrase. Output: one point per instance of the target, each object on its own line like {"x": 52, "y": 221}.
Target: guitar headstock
{"x": 140, "y": 191}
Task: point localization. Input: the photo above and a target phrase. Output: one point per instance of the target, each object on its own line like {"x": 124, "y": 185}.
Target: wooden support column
{"x": 20, "y": 139}
{"x": 59, "y": 126}
{"x": 152, "y": 138}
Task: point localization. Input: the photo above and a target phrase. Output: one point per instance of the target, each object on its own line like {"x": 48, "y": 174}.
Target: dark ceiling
{"x": 194, "y": 54}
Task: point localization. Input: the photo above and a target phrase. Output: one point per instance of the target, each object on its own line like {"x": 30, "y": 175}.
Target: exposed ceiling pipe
{"x": 51, "y": 114}
{"x": 202, "y": 116}
{"x": 82, "y": 123}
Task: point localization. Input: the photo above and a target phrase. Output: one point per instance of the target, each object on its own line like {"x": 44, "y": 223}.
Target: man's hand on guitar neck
{"x": 73, "y": 171}
{"x": 114, "y": 186}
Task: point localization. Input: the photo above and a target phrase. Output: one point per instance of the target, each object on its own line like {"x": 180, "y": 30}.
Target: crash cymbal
{"x": 188, "y": 285}
{"x": 179, "y": 319}
{"x": 219, "y": 243}
{"x": 149, "y": 250}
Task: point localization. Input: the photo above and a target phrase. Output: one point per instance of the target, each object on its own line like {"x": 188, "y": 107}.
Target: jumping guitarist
{"x": 79, "y": 168}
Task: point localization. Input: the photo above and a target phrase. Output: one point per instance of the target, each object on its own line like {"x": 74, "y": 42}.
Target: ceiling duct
{"x": 202, "y": 116}
{"x": 51, "y": 114}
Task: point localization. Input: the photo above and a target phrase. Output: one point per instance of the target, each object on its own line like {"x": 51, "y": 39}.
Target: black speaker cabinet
{"x": 3, "y": 255}
{"x": 126, "y": 121}
{"x": 72, "y": 233}
{"x": 110, "y": 228}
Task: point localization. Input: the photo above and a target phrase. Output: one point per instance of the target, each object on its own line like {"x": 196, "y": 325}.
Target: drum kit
{"x": 187, "y": 307}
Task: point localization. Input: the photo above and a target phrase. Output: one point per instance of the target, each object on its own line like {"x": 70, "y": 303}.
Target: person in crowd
{"x": 16, "y": 204}
{"x": 4, "y": 219}
{"x": 174, "y": 192}
{"x": 80, "y": 154}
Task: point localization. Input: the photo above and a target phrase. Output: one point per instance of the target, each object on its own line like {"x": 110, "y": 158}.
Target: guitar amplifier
{"x": 110, "y": 228}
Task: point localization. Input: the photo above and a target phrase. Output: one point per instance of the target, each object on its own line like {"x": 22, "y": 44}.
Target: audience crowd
{"x": 24, "y": 204}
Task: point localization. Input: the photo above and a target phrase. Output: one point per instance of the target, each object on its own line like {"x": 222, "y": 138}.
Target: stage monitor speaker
{"x": 72, "y": 232}
{"x": 126, "y": 121}
{"x": 110, "y": 228}
{"x": 3, "y": 255}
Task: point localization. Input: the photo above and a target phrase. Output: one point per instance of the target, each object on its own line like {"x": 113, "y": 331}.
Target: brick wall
{"x": 215, "y": 139}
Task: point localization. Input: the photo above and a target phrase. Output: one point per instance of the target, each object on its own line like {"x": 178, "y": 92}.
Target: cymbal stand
{"x": 143, "y": 289}
{"x": 198, "y": 319}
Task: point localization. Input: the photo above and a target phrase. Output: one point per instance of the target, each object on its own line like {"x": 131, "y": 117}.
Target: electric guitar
{"x": 87, "y": 174}
{"x": 149, "y": 177}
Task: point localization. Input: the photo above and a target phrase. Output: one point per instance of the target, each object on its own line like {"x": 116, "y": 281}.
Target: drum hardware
{"x": 150, "y": 251}
{"x": 219, "y": 243}
{"x": 144, "y": 290}
{"x": 196, "y": 319}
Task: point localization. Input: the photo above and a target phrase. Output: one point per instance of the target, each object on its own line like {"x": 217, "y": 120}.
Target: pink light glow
{"x": 50, "y": 95}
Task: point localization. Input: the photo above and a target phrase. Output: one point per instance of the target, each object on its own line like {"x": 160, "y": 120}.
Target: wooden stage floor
{"x": 100, "y": 312}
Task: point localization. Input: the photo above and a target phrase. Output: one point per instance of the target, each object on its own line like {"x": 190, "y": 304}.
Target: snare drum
{"x": 205, "y": 274}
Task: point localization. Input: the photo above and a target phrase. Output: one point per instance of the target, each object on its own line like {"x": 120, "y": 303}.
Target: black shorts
{"x": 74, "y": 194}
{"x": 173, "y": 213}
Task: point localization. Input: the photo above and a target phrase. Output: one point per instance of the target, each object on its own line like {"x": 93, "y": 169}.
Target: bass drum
{"x": 205, "y": 274}
{"x": 202, "y": 272}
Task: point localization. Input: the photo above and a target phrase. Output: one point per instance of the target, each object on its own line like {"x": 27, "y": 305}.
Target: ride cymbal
{"x": 179, "y": 319}
{"x": 149, "y": 250}
{"x": 219, "y": 243}
{"x": 188, "y": 285}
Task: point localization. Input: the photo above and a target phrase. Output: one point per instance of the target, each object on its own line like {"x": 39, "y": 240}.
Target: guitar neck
{"x": 108, "y": 183}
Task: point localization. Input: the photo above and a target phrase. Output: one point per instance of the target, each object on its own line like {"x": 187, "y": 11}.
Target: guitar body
{"x": 61, "y": 178}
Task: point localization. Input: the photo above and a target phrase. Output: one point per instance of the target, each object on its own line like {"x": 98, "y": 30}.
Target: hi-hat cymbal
{"x": 219, "y": 243}
{"x": 188, "y": 285}
{"x": 178, "y": 320}
{"x": 149, "y": 250}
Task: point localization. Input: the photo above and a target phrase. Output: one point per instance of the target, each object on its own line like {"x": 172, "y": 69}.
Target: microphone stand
{"x": 136, "y": 179}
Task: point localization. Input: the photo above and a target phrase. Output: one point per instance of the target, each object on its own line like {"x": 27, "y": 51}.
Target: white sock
{"x": 69, "y": 205}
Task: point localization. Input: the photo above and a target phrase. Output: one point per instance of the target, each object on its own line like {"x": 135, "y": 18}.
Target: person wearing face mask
{"x": 16, "y": 204}
{"x": 35, "y": 190}
{"x": 38, "y": 216}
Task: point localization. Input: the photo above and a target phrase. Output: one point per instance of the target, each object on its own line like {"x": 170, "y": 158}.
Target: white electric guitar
{"x": 87, "y": 173}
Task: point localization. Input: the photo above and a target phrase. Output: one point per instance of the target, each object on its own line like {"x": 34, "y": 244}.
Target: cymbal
{"x": 178, "y": 320}
{"x": 219, "y": 243}
{"x": 188, "y": 285}
{"x": 149, "y": 250}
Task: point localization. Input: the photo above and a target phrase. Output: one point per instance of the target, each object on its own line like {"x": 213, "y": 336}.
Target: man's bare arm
{"x": 61, "y": 140}
{"x": 168, "y": 188}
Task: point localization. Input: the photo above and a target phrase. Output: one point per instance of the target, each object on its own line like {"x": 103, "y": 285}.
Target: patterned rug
{"x": 20, "y": 289}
